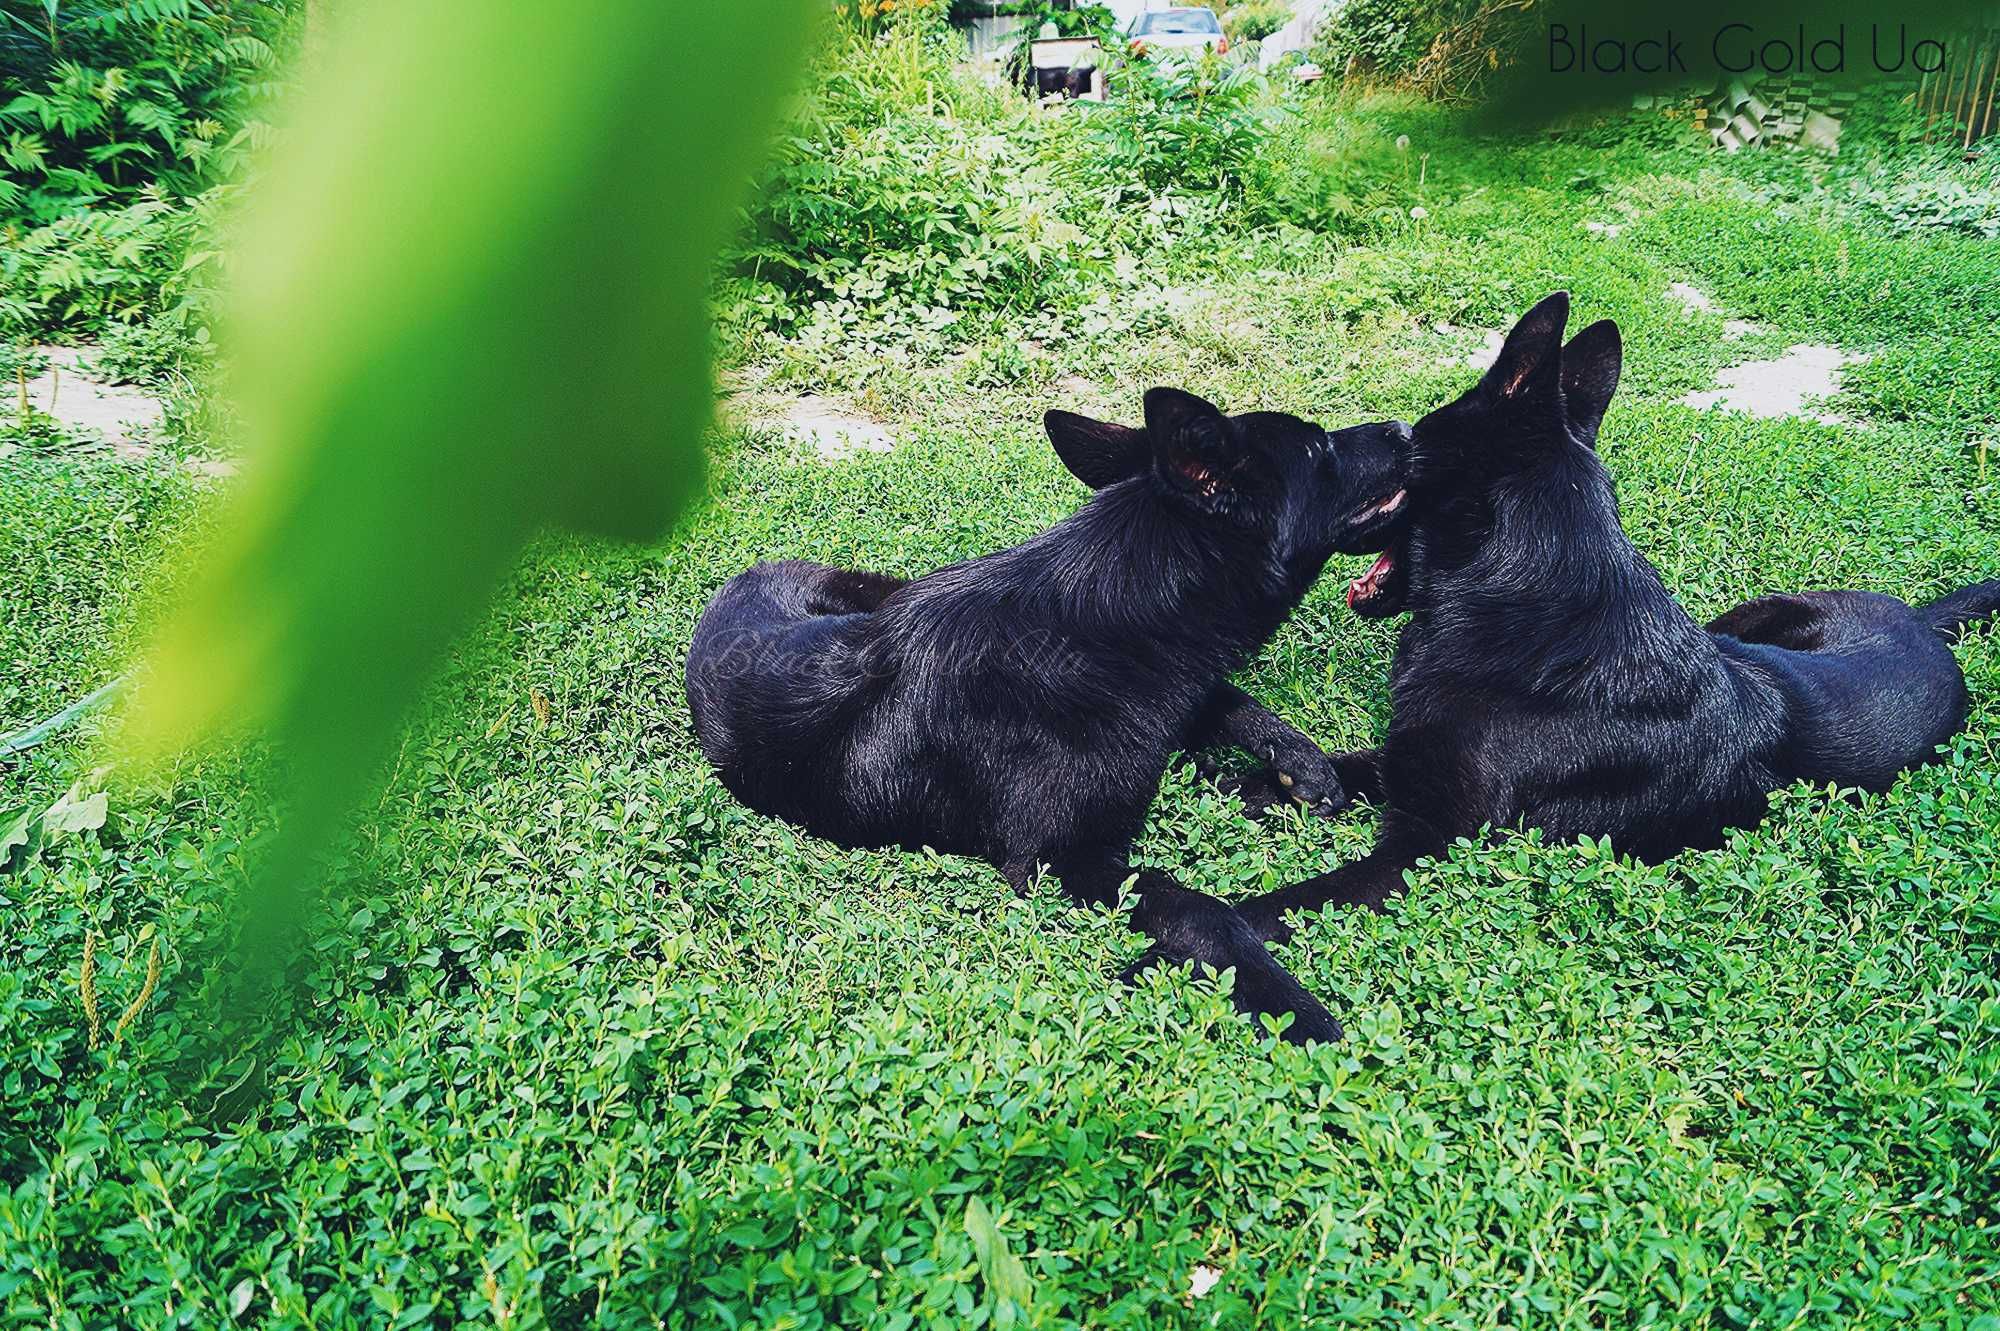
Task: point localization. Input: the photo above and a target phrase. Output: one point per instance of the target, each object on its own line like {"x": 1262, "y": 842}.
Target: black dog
{"x": 1022, "y": 707}
{"x": 1546, "y": 678}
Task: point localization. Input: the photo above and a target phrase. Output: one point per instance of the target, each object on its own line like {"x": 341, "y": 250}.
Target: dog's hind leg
{"x": 1019, "y": 871}
{"x": 1299, "y": 769}
{"x": 1948, "y": 614}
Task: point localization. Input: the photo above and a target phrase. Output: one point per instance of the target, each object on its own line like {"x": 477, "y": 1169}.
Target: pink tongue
{"x": 1370, "y": 582}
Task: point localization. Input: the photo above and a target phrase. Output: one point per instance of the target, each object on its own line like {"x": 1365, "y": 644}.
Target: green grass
{"x": 586, "y": 1043}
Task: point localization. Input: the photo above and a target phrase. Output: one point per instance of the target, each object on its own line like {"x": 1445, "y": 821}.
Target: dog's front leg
{"x": 1361, "y": 773}
{"x": 1299, "y": 769}
{"x": 1188, "y": 926}
{"x": 1092, "y": 877}
{"x": 1369, "y": 881}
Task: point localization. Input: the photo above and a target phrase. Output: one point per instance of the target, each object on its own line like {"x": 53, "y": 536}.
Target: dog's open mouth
{"x": 1383, "y": 507}
{"x": 1379, "y": 592}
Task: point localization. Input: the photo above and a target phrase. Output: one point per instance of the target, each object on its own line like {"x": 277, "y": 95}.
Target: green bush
{"x": 1254, "y": 20}
{"x": 126, "y": 120}
{"x": 1175, "y": 124}
{"x": 116, "y": 99}
{"x": 901, "y": 187}
{"x": 1379, "y": 35}
{"x": 145, "y": 261}
{"x": 1445, "y": 49}
{"x": 177, "y": 340}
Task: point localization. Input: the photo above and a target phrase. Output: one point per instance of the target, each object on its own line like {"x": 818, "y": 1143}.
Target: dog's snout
{"x": 1401, "y": 429}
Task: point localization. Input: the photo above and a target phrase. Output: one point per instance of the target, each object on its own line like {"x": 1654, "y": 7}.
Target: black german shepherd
{"x": 1546, "y": 678}
{"x": 1023, "y": 706}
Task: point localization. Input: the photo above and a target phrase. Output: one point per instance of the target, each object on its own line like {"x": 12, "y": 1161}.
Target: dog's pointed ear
{"x": 1590, "y": 366}
{"x": 1097, "y": 453}
{"x": 1531, "y": 360}
{"x": 1190, "y": 444}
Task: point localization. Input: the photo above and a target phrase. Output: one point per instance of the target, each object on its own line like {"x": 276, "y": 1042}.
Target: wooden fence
{"x": 1961, "y": 102}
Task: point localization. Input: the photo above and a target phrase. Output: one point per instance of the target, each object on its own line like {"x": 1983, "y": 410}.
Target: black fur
{"x": 1546, "y": 678}
{"x": 1022, "y": 707}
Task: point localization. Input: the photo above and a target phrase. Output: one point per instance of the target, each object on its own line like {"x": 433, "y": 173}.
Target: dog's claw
{"x": 1261, "y": 794}
{"x": 1285, "y": 780}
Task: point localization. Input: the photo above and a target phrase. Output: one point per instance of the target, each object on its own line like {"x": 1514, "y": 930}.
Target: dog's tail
{"x": 1948, "y": 614}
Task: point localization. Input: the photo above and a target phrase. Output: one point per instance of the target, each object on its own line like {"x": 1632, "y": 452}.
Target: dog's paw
{"x": 1311, "y": 1023}
{"x": 1308, "y": 777}
{"x": 1258, "y": 793}
{"x": 1213, "y": 938}
{"x": 1262, "y": 792}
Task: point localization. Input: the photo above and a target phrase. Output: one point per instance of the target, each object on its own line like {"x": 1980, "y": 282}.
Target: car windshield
{"x": 1176, "y": 20}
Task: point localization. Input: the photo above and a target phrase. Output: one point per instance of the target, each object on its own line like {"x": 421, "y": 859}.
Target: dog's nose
{"x": 1401, "y": 430}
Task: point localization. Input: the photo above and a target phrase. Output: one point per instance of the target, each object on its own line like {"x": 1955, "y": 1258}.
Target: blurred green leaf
{"x": 469, "y": 305}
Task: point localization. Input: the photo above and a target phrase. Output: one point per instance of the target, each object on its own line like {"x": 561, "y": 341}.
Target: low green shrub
{"x": 176, "y": 341}
{"x": 1887, "y": 170}
{"x": 1180, "y": 125}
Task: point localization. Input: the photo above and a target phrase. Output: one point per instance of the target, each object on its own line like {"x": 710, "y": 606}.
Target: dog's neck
{"x": 1174, "y": 588}
{"x": 1132, "y": 586}
{"x": 1557, "y": 601}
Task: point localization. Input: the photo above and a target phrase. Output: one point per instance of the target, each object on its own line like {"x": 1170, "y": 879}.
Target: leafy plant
{"x": 884, "y": 192}
{"x": 873, "y": 17}
{"x": 146, "y": 260}
{"x": 1084, "y": 20}
{"x": 18, "y": 360}
{"x": 1177, "y": 123}
{"x": 115, "y": 97}
{"x": 1254, "y": 20}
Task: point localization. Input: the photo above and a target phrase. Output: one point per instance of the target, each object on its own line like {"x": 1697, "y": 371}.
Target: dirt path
{"x": 121, "y": 415}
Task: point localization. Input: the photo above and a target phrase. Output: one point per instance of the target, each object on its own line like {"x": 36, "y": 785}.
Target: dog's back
{"x": 981, "y": 697}
{"x": 1873, "y": 686}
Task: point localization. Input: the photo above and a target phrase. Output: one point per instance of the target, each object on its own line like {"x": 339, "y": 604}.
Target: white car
{"x": 1192, "y": 28}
